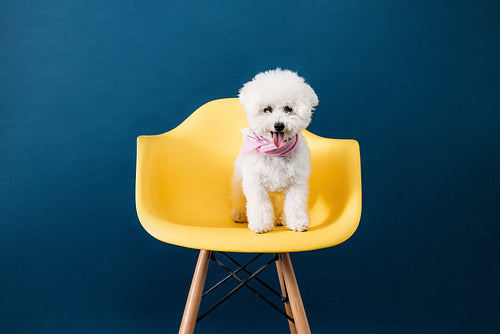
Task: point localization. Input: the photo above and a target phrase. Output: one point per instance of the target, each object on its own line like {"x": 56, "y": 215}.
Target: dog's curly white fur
{"x": 274, "y": 189}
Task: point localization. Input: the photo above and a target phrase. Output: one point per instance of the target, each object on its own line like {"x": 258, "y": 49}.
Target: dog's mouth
{"x": 278, "y": 138}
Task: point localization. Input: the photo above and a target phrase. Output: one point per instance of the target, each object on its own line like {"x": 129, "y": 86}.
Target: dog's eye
{"x": 287, "y": 109}
{"x": 268, "y": 109}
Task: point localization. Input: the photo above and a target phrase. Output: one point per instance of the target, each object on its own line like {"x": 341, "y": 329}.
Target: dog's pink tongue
{"x": 278, "y": 139}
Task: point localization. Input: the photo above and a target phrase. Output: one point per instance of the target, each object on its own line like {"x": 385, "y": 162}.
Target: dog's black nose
{"x": 278, "y": 126}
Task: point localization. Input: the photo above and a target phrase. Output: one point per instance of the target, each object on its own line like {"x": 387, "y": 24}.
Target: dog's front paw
{"x": 260, "y": 216}
{"x": 239, "y": 217}
{"x": 298, "y": 226}
{"x": 260, "y": 228}
{"x": 298, "y": 223}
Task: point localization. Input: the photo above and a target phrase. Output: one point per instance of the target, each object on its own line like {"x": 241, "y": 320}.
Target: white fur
{"x": 269, "y": 189}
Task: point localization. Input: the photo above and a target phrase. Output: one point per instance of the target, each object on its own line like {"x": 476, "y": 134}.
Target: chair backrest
{"x": 183, "y": 175}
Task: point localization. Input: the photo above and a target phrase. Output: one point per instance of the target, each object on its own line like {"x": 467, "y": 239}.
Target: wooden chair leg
{"x": 285, "y": 294}
{"x": 190, "y": 315}
{"x": 299, "y": 314}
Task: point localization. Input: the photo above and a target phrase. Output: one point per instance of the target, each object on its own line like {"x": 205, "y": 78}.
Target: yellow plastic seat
{"x": 183, "y": 186}
{"x": 183, "y": 198}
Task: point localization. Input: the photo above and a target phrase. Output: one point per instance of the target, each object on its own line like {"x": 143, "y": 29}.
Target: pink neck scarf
{"x": 254, "y": 142}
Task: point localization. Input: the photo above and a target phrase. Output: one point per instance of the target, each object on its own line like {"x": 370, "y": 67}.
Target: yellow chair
{"x": 182, "y": 198}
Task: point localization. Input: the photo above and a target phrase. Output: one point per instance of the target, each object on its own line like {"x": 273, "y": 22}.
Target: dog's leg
{"x": 238, "y": 201}
{"x": 259, "y": 207}
{"x": 295, "y": 207}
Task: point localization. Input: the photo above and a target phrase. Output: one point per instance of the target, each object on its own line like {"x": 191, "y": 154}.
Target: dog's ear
{"x": 310, "y": 97}
{"x": 243, "y": 94}
{"x": 247, "y": 95}
{"x": 306, "y": 102}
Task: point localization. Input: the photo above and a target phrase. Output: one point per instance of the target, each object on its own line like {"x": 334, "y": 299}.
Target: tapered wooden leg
{"x": 299, "y": 314}
{"x": 195, "y": 292}
{"x": 285, "y": 294}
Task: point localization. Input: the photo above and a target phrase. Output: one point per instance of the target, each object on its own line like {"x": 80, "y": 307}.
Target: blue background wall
{"x": 416, "y": 82}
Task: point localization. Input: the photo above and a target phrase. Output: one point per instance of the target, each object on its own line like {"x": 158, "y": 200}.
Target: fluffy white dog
{"x": 271, "y": 174}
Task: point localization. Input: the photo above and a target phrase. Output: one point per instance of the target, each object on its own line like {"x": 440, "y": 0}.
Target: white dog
{"x": 274, "y": 164}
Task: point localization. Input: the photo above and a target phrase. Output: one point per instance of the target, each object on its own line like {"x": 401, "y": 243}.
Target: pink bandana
{"x": 254, "y": 142}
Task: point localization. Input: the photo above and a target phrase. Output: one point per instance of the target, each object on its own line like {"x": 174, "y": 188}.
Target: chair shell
{"x": 183, "y": 187}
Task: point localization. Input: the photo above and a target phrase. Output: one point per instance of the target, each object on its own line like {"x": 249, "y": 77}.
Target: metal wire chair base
{"x": 245, "y": 282}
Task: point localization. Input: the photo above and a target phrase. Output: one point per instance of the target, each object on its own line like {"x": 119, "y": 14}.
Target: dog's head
{"x": 278, "y": 104}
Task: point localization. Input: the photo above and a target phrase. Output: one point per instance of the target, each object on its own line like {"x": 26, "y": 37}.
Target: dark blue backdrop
{"x": 415, "y": 82}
